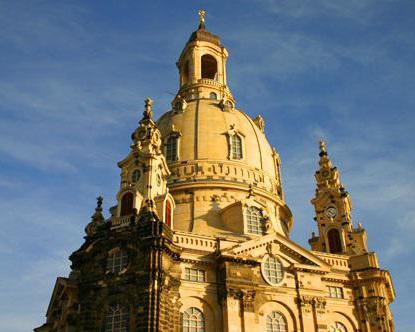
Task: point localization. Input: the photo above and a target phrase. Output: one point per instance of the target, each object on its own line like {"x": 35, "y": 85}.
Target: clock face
{"x": 331, "y": 212}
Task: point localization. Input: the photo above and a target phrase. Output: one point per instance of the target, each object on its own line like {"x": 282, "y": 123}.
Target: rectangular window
{"x": 254, "y": 221}
{"x": 194, "y": 274}
{"x": 171, "y": 148}
{"x": 236, "y": 147}
{"x": 335, "y": 292}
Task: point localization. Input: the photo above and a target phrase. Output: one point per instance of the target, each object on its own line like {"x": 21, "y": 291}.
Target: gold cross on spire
{"x": 202, "y": 15}
{"x": 323, "y": 146}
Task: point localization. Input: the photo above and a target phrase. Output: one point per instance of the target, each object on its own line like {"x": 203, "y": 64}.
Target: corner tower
{"x": 333, "y": 205}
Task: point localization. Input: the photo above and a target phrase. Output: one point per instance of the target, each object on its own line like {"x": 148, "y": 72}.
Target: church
{"x": 199, "y": 240}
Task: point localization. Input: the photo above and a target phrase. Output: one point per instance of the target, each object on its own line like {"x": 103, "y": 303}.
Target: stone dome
{"x": 204, "y": 130}
{"x": 221, "y": 163}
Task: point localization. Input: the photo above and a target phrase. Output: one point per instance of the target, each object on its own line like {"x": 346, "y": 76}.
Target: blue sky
{"x": 74, "y": 74}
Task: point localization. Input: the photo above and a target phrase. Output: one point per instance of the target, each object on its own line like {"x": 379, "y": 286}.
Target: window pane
{"x": 193, "y": 320}
{"x": 254, "y": 221}
{"x": 171, "y": 148}
{"x": 275, "y": 322}
{"x": 117, "y": 261}
{"x": 116, "y": 319}
{"x": 236, "y": 145}
{"x": 194, "y": 274}
{"x": 272, "y": 270}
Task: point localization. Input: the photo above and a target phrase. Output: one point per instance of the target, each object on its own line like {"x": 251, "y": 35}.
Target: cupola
{"x": 202, "y": 66}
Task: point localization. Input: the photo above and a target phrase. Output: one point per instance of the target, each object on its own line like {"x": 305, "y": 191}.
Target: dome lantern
{"x": 202, "y": 66}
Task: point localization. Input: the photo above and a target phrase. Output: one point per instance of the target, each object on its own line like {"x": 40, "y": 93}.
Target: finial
{"x": 323, "y": 147}
{"x": 97, "y": 219}
{"x": 202, "y": 15}
{"x": 100, "y": 199}
{"x": 148, "y": 113}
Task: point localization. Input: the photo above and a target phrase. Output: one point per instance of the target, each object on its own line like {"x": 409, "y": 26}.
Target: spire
{"x": 333, "y": 205}
{"x": 97, "y": 218}
{"x": 202, "y": 15}
{"x": 327, "y": 176}
{"x": 323, "y": 147}
{"x": 147, "y": 137}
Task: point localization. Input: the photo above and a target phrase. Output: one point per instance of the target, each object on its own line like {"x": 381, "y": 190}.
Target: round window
{"x": 272, "y": 270}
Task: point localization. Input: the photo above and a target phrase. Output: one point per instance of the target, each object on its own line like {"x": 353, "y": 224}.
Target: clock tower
{"x": 333, "y": 206}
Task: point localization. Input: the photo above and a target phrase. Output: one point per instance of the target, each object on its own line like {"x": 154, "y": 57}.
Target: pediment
{"x": 63, "y": 286}
{"x": 277, "y": 244}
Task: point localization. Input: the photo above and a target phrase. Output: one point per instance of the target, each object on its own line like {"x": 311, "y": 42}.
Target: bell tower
{"x": 202, "y": 66}
{"x": 333, "y": 206}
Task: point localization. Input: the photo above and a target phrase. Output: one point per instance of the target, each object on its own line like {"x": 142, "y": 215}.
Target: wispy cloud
{"x": 73, "y": 77}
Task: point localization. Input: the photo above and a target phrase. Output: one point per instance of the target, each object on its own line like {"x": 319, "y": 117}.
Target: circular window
{"x": 272, "y": 270}
{"x": 136, "y": 175}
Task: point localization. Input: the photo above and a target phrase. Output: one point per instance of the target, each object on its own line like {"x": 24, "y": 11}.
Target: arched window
{"x": 213, "y": 96}
{"x": 236, "y": 145}
{"x": 116, "y": 319}
{"x": 209, "y": 67}
{"x": 229, "y": 104}
{"x": 272, "y": 270}
{"x": 254, "y": 220}
{"x": 127, "y": 204}
{"x": 171, "y": 148}
{"x": 335, "y": 244}
{"x": 337, "y": 327}
{"x": 193, "y": 320}
{"x": 136, "y": 175}
{"x": 117, "y": 261}
{"x": 276, "y": 322}
{"x": 167, "y": 213}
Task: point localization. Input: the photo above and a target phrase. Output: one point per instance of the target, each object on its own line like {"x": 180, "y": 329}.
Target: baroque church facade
{"x": 199, "y": 238}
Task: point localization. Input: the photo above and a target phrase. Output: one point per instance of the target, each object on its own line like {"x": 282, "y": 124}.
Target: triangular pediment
{"x": 277, "y": 244}
{"x": 61, "y": 286}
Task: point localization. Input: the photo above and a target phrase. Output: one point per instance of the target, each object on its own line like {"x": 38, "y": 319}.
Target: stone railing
{"x": 209, "y": 81}
{"x": 121, "y": 221}
{"x": 338, "y": 262}
{"x": 194, "y": 242}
